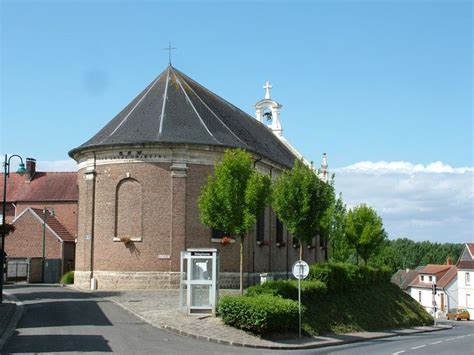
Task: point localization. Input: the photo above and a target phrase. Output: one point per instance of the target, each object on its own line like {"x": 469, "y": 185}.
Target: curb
{"x": 181, "y": 332}
{"x": 14, "y": 319}
{"x": 178, "y": 331}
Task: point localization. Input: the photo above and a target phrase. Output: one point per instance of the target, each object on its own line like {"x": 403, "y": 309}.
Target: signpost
{"x": 433, "y": 289}
{"x": 300, "y": 270}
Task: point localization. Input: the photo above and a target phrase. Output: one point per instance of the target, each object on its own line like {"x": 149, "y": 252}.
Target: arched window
{"x": 128, "y": 210}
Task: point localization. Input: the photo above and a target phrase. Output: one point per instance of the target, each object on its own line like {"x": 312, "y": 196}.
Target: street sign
{"x": 300, "y": 269}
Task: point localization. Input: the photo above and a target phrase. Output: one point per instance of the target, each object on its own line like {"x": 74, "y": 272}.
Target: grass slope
{"x": 373, "y": 307}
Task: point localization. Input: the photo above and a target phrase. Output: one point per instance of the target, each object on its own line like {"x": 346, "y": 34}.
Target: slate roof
{"x": 402, "y": 278}
{"x": 45, "y": 186}
{"x": 176, "y": 109}
{"x": 470, "y": 246}
{"x": 466, "y": 264}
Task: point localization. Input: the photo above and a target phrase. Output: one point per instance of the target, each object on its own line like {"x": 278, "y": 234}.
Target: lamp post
{"x": 6, "y": 172}
{"x": 46, "y": 213}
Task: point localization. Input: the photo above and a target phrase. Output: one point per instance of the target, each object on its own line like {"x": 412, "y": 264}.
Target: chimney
{"x": 30, "y": 168}
{"x": 449, "y": 261}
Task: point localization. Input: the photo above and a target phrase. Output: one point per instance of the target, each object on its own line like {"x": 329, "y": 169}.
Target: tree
{"x": 334, "y": 231}
{"x": 300, "y": 200}
{"x": 364, "y": 231}
{"x": 233, "y": 197}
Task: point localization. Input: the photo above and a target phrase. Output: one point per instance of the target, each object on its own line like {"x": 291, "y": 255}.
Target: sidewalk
{"x": 160, "y": 308}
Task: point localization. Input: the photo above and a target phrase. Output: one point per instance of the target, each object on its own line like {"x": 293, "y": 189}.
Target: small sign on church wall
{"x": 164, "y": 256}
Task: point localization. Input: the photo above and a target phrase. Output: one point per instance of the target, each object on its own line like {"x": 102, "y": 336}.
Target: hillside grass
{"x": 371, "y": 308}
{"x": 342, "y": 298}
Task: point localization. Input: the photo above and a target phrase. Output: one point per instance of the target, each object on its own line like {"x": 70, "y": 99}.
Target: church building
{"x": 140, "y": 178}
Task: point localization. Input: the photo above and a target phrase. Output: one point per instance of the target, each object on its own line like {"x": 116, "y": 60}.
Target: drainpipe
{"x": 93, "y": 221}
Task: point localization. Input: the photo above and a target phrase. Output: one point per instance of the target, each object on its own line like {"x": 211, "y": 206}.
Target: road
{"x": 60, "y": 320}
{"x": 459, "y": 340}
{"x": 63, "y": 320}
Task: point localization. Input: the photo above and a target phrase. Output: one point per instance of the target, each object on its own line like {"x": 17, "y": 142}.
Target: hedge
{"x": 340, "y": 276}
{"x": 260, "y": 314}
{"x": 289, "y": 289}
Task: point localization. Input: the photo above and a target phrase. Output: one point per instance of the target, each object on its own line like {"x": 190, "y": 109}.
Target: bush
{"x": 289, "y": 289}
{"x": 261, "y": 314}
{"x": 68, "y": 278}
{"x": 340, "y": 276}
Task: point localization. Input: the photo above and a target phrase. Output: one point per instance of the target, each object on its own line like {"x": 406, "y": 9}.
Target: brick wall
{"x": 169, "y": 222}
{"x": 27, "y": 240}
{"x": 66, "y": 212}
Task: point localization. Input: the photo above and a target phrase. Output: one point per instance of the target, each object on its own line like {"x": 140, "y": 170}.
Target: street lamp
{"x": 6, "y": 171}
{"x": 46, "y": 213}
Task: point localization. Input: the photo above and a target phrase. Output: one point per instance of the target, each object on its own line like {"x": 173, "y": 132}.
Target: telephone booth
{"x": 199, "y": 286}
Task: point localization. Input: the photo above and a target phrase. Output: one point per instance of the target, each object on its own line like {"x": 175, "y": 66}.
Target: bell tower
{"x": 268, "y": 111}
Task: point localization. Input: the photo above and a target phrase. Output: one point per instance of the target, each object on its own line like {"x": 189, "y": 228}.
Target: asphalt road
{"x": 61, "y": 320}
{"x": 459, "y": 340}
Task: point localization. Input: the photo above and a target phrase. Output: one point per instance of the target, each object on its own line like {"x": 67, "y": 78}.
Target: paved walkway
{"x": 160, "y": 308}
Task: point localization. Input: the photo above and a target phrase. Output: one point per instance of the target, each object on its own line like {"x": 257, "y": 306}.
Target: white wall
{"x": 466, "y": 289}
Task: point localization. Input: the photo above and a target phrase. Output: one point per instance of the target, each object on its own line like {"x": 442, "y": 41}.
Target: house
{"x": 443, "y": 279}
{"x": 140, "y": 178}
{"x": 403, "y": 278}
{"x": 466, "y": 278}
{"x": 27, "y": 197}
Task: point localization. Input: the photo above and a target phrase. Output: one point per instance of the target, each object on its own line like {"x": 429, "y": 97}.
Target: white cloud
{"x": 56, "y": 165}
{"x": 403, "y": 167}
{"x": 423, "y": 202}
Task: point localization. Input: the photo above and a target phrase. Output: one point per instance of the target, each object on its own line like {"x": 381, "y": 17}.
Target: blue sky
{"x": 361, "y": 80}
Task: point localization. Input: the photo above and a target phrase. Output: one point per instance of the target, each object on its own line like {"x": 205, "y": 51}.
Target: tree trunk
{"x": 241, "y": 265}
{"x": 301, "y": 249}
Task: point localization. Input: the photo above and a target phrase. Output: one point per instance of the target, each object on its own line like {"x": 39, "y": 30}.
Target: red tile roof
{"x": 466, "y": 264}
{"x": 45, "y": 186}
{"x": 433, "y": 269}
{"x": 446, "y": 279}
{"x": 444, "y": 274}
{"x": 55, "y": 225}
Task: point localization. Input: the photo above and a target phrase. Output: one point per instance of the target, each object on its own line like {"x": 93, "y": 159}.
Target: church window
{"x": 279, "y": 231}
{"x": 218, "y": 234}
{"x": 260, "y": 230}
{"x": 128, "y": 210}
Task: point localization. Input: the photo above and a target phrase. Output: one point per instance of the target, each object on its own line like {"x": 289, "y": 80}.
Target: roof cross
{"x": 267, "y": 88}
{"x": 169, "y": 49}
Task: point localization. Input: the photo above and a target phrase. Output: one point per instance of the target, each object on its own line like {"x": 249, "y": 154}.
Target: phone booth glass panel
{"x": 199, "y": 281}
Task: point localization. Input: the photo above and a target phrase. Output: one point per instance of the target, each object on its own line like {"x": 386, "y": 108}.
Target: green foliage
{"x": 334, "y": 223}
{"x": 300, "y": 199}
{"x": 404, "y": 253}
{"x": 68, "y": 278}
{"x": 288, "y": 289}
{"x": 364, "y": 231}
{"x": 340, "y": 276}
{"x": 234, "y": 195}
{"x": 260, "y": 314}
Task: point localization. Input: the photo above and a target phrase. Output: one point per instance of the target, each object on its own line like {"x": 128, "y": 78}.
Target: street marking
{"x": 450, "y": 339}
{"x": 417, "y": 347}
{"x": 462, "y": 336}
{"x": 398, "y": 352}
{"x": 436, "y": 342}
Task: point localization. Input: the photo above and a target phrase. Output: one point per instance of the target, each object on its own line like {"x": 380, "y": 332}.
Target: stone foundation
{"x": 123, "y": 280}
